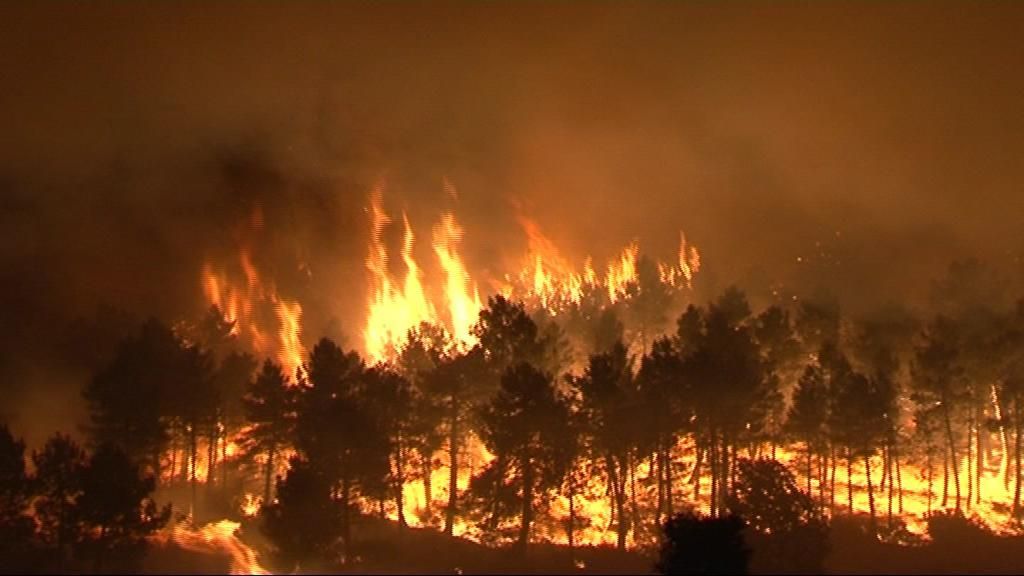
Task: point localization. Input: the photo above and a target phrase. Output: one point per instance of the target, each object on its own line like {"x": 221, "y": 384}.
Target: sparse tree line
{"x": 668, "y": 414}
{"x": 76, "y": 511}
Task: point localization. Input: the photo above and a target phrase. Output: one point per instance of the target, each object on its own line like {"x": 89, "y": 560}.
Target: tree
{"x": 59, "y": 481}
{"x": 304, "y": 524}
{"x": 792, "y": 535}
{"x": 129, "y": 399}
{"x": 938, "y": 377}
{"x": 116, "y": 511}
{"x": 459, "y": 385}
{"x": 608, "y": 403}
{"x": 696, "y": 545}
{"x": 335, "y": 431}
{"x": 390, "y": 400}
{"x": 508, "y": 335}
{"x": 270, "y": 409}
{"x": 808, "y": 415}
{"x": 781, "y": 356}
{"x": 425, "y": 349}
{"x": 231, "y": 382}
{"x": 665, "y": 401}
{"x": 523, "y": 426}
{"x": 728, "y": 377}
{"x": 16, "y": 526}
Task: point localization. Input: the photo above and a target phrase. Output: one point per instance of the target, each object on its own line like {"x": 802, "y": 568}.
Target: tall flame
{"x": 463, "y": 306}
{"x": 392, "y": 311}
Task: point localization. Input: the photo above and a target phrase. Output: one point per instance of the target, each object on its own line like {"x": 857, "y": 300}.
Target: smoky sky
{"x": 856, "y": 148}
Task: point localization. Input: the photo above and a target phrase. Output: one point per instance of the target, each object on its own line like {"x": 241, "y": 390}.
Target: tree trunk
{"x": 527, "y": 509}
{"x": 970, "y": 464}
{"x": 832, "y": 481}
{"x": 871, "y": 494}
{"x": 714, "y": 464}
{"x": 656, "y": 469}
{"x": 892, "y": 483}
{"x": 211, "y": 456}
{"x": 193, "y": 448}
{"x": 269, "y": 474}
{"x": 453, "y": 476}
{"x": 428, "y": 493}
{"x": 981, "y": 449}
{"x": 697, "y": 469}
{"x": 346, "y": 526}
{"x": 899, "y": 482}
{"x": 1016, "y": 458}
{"x": 634, "y": 509}
{"x": 668, "y": 480}
{"x": 400, "y": 480}
{"x": 571, "y": 528}
{"x": 849, "y": 478}
{"x": 618, "y": 493}
{"x": 809, "y": 473}
{"x": 945, "y": 476}
{"x": 952, "y": 455}
{"x": 931, "y": 481}
{"x": 224, "y": 458}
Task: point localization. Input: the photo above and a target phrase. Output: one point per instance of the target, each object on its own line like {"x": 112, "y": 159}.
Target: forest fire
{"x": 500, "y": 287}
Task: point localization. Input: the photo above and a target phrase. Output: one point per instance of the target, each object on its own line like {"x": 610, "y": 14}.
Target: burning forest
{"x": 490, "y": 288}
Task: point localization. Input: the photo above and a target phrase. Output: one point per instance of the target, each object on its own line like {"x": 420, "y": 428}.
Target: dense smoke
{"x": 855, "y": 150}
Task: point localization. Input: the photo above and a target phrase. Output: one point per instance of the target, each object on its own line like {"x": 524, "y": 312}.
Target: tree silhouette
{"x": 665, "y": 402}
{"x": 808, "y": 415}
{"x": 696, "y": 545}
{"x": 116, "y": 511}
{"x": 335, "y": 431}
{"x": 459, "y": 384}
{"x": 16, "y": 526}
{"x": 425, "y": 349}
{"x": 938, "y": 377}
{"x": 791, "y": 536}
{"x": 523, "y": 426}
{"x": 231, "y": 382}
{"x": 129, "y": 399}
{"x": 389, "y": 399}
{"x": 609, "y": 406}
{"x": 781, "y": 354}
{"x": 304, "y": 524}
{"x": 725, "y": 370}
{"x": 270, "y": 406}
{"x": 59, "y": 481}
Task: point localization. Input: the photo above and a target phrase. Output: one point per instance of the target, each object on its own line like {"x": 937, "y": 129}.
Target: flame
{"x": 550, "y": 280}
{"x": 463, "y": 307}
{"x": 289, "y": 316}
{"x": 239, "y": 306}
{"x": 392, "y": 311}
{"x": 622, "y": 272}
{"x": 219, "y": 537}
{"x": 394, "y": 307}
{"x": 687, "y": 265}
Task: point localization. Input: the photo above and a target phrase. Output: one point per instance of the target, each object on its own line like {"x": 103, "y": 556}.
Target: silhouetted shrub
{"x": 701, "y": 545}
